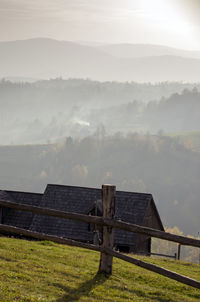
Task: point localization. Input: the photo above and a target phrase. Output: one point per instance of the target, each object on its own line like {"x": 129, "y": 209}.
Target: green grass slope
{"x": 44, "y": 271}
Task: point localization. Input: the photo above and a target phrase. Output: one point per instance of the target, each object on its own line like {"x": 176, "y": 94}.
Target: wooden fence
{"x": 109, "y": 224}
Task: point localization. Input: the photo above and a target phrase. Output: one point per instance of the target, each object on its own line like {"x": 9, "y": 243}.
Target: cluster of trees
{"x": 142, "y": 163}
{"x": 177, "y": 113}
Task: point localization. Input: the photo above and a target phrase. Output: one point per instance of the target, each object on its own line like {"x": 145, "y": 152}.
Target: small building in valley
{"x": 137, "y": 208}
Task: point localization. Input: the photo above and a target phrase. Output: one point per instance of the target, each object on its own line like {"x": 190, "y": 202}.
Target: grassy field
{"x": 44, "y": 271}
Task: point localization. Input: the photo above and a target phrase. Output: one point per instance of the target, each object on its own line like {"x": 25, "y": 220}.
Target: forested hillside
{"x": 144, "y": 163}
{"x": 141, "y": 137}
{"x": 52, "y": 110}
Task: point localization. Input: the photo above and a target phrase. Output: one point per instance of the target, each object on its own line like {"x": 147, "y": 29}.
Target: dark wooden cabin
{"x": 138, "y": 208}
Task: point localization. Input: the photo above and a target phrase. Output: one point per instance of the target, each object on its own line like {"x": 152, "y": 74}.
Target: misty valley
{"x": 141, "y": 137}
{"x": 100, "y": 150}
{"x": 49, "y": 111}
{"x": 142, "y": 134}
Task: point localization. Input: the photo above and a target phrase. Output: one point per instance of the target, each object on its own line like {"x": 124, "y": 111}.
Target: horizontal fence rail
{"x": 103, "y": 222}
{"x": 140, "y": 263}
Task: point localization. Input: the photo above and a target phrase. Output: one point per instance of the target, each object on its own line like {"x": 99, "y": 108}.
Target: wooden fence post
{"x": 179, "y": 251}
{"x": 108, "y": 204}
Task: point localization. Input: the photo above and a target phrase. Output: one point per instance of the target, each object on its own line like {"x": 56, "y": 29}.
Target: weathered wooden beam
{"x": 148, "y": 266}
{"x": 103, "y": 221}
{"x": 41, "y": 236}
{"x": 108, "y": 205}
{"x": 153, "y": 233}
{"x": 156, "y": 269}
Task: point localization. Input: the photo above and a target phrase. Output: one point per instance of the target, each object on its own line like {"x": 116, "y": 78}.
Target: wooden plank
{"x": 41, "y": 236}
{"x": 108, "y": 205}
{"x": 156, "y": 269}
{"x": 95, "y": 232}
{"x": 140, "y": 263}
{"x": 104, "y": 221}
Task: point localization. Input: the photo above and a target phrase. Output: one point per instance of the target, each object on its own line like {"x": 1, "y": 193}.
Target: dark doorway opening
{"x": 123, "y": 248}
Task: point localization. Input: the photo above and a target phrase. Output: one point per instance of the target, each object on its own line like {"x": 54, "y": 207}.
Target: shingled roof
{"x": 18, "y": 218}
{"x": 70, "y": 199}
{"x": 130, "y": 207}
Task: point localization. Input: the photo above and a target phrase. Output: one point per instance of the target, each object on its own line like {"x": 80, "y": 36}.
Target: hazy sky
{"x": 169, "y": 22}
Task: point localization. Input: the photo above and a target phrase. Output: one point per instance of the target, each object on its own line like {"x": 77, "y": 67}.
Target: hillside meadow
{"x": 44, "y": 271}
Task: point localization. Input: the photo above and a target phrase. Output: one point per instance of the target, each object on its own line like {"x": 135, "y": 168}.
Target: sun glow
{"x": 163, "y": 14}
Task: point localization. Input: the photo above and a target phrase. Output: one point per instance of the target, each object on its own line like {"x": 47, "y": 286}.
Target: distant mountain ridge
{"x": 48, "y": 58}
{"x": 146, "y": 50}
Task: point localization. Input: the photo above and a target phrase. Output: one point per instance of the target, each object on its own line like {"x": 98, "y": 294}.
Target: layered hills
{"x": 43, "y": 58}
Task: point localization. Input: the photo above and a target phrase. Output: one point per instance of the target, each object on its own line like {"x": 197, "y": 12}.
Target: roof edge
{"x": 94, "y": 188}
{"x": 23, "y": 192}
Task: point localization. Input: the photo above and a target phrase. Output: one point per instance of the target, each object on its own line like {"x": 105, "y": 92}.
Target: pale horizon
{"x": 100, "y": 43}
{"x": 171, "y": 23}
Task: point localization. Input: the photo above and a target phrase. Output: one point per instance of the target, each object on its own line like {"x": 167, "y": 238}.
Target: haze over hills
{"x": 54, "y": 109}
{"x": 103, "y": 131}
{"x": 47, "y": 58}
{"x": 126, "y": 50}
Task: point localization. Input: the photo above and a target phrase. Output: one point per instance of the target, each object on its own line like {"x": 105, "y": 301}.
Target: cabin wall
{"x": 139, "y": 243}
{"x": 150, "y": 219}
{"x": 4, "y": 212}
{"x": 143, "y": 243}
